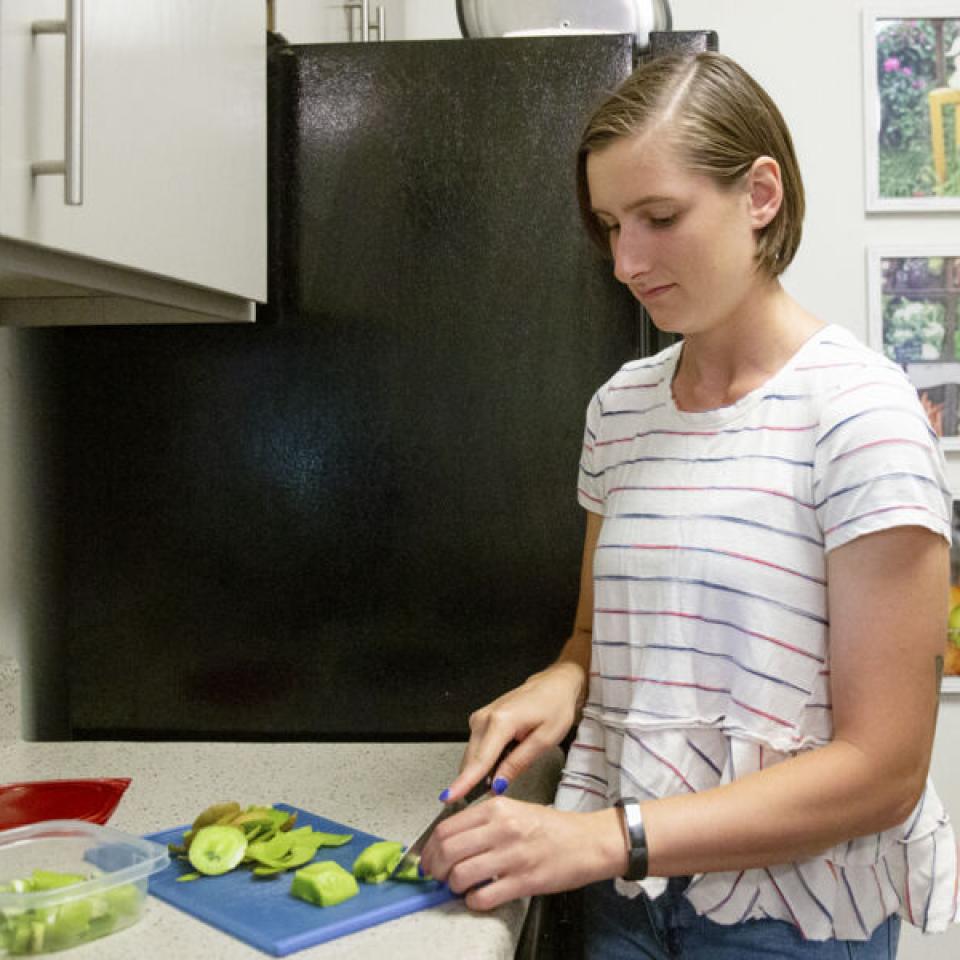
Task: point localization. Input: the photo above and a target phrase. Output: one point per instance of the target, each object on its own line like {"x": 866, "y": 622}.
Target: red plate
{"x": 90, "y": 800}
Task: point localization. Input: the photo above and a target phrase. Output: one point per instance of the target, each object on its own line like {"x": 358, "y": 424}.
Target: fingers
{"x": 461, "y": 836}
{"x": 464, "y": 854}
{"x": 488, "y": 896}
{"x": 481, "y": 853}
{"x": 519, "y": 758}
{"x": 536, "y": 715}
{"x": 491, "y": 733}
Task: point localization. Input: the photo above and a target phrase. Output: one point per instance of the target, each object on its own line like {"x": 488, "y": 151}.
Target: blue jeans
{"x": 668, "y": 928}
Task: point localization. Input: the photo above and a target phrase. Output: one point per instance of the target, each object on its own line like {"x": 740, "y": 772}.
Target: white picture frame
{"x": 902, "y": 169}
{"x": 904, "y": 310}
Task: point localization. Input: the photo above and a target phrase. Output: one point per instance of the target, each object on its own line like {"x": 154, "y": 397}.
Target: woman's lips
{"x": 652, "y": 293}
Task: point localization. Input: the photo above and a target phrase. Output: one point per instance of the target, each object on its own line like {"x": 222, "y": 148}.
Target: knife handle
{"x": 484, "y": 786}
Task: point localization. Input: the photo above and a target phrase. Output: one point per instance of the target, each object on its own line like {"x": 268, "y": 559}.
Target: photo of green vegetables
{"x": 920, "y": 304}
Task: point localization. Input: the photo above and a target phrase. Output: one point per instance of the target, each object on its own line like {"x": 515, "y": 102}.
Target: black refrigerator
{"x": 356, "y": 518}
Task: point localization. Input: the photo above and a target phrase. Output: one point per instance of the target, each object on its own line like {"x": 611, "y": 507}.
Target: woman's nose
{"x": 631, "y": 257}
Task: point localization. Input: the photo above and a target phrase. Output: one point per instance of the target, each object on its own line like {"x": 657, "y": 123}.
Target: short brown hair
{"x": 720, "y": 119}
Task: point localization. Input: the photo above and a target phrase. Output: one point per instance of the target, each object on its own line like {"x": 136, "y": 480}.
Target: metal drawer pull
{"x": 71, "y": 167}
{"x": 365, "y": 25}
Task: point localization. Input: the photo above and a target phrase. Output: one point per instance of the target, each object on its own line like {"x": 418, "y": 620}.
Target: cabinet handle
{"x": 366, "y": 26}
{"x": 71, "y": 167}
{"x": 381, "y": 25}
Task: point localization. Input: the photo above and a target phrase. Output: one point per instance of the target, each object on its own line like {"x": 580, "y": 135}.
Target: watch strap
{"x": 637, "y": 837}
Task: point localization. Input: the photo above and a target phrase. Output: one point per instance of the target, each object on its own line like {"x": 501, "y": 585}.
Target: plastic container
{"x": 117, "y": 867}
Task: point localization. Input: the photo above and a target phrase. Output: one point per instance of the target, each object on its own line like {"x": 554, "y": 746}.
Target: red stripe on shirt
{"x": 694, "y": 616}
{"x": 763, "y": 713}
{"x": 724, "y": 553}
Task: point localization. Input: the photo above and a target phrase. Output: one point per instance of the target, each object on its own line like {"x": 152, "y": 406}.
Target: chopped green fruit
{"x": 48, "y": 880}
{"x": 217, "y": 849}
{"x": 325, "y": 883}
{"x": 123, "y": 901}
{"x": 286, "y": 851}
{"x": 331, "y": 839}
{"x": 270, "y": 844}
{"x": 376, "y": 862}
{"x": 34, "y": 930}
{"x": 410, "y": 873}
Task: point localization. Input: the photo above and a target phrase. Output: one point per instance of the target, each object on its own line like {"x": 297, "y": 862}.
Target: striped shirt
{"x": 711, "y": 653}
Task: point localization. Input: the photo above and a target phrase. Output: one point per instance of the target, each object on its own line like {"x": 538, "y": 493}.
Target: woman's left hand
{"x": 502, "y": 849}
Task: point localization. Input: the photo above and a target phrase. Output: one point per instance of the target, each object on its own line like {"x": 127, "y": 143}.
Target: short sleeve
{"x": 878, "y": 463}
{"x": 590, "y": 482}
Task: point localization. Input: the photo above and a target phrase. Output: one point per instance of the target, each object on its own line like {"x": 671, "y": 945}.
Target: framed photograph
{"x": 951, "y": 660}
{"x": 911, "y": 83}
{"x": 915, "y": 321}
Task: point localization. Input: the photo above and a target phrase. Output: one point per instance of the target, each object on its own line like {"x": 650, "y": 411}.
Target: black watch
{"x": 633, "y": 823}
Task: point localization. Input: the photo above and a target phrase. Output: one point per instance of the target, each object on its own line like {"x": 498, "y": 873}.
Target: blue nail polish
{"x": 445, "y": 796}
{"x": 420, "y": 871}
{"x": 500, "y": 785}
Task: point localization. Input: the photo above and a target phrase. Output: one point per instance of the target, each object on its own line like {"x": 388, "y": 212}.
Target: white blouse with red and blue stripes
{"x": 711, "y": 645}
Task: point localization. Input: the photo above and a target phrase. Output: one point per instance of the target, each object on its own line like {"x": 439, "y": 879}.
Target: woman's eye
{"x": 660, "y": 222}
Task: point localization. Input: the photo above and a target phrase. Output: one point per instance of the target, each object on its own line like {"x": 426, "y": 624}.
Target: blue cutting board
{"x": 261, "y": 911}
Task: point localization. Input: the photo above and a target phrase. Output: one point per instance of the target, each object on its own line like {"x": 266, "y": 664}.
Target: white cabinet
{"x": 339, "y": 21}
{"x": 173, "y": 154}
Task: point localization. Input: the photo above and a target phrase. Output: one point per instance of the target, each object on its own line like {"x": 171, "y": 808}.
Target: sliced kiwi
{"x": 216, "y": 814}
{"x": 324, "y": 883}
{"x": 217, "y": 849}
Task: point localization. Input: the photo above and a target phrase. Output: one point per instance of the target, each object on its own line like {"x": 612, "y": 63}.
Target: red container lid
{"x": 90, "y": 800}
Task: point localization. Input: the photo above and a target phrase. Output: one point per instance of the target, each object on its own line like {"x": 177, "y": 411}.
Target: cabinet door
{"x": 173, "y": 137}
{"x": 337, "y": 21}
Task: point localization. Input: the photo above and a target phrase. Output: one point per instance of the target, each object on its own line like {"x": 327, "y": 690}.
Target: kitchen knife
{"x": 411, "y": 856}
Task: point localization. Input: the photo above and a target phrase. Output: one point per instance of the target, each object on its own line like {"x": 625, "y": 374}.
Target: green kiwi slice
{"x": 217, "y": 849}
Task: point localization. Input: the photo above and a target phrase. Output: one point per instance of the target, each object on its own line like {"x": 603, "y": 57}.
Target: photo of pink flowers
{"x": 912, "y": 86}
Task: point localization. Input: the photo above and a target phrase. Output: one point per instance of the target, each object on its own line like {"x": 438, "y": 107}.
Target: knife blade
{"x": 411, "y": 856}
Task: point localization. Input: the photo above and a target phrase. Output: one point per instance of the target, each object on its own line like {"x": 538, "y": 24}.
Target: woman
{"x": 757, "y": 648}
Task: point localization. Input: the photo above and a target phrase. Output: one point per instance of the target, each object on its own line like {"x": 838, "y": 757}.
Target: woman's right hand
{"x": 537, "y": 715}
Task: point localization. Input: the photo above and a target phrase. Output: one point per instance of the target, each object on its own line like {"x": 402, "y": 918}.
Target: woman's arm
{"x": 887, "y": 609}
{"x": 887, "y": 606}
{"x": 538, "y": 713}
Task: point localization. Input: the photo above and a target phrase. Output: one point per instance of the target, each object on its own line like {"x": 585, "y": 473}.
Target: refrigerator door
{"x": 357, "y": 517}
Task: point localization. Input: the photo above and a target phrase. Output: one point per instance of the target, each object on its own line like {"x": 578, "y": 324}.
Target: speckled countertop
{"x": 9, "y": 699}
{"x": 387, "y": 789}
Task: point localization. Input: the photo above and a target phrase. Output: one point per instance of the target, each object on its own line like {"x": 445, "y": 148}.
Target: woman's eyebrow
{"x": 636, "y": 204}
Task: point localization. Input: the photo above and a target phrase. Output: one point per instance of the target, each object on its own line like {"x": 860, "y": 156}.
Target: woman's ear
{"x": 766, "y": 191}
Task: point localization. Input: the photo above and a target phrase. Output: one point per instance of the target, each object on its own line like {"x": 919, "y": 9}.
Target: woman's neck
{"x": 720, "y": 365}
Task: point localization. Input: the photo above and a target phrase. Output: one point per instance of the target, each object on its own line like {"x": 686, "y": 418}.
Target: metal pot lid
{"x": 505, "y": 18}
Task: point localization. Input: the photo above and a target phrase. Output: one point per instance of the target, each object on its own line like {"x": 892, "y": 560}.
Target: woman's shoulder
{"x": 838, "y": 369}
{"x": 642, "y": 372}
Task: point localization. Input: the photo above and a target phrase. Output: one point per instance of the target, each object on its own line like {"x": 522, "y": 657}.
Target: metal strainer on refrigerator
{"x": 502, "y": 18}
